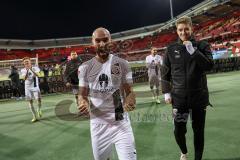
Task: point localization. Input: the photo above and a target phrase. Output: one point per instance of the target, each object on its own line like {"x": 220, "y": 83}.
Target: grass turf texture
{"x": 60, "y": 135}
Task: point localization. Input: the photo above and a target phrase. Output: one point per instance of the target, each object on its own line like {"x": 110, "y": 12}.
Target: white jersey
{"x": 104, "y": 82}
{"x": 153, "y": 64}
{"x": 32, "y": 80}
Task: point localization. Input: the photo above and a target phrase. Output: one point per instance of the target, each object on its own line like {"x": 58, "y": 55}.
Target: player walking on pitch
{"x": 30, "y": 75}
{"x": 107, "y": 80}
{"x": 153, "y": 63}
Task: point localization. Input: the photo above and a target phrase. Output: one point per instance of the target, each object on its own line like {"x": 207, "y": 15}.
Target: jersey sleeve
{"x": 36, "y": 69}
{"x": 82, "y": 75}
{"x": 148, "y": 59}
{"x": 23, "y": 73}
{"x": 159, "y": 59}
{"x": 148, "y": 62}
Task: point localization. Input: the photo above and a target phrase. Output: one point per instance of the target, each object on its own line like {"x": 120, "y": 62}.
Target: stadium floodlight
{"x": 171, "y": 9}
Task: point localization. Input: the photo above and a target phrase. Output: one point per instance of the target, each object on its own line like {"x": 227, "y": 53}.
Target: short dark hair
{"x": 73, "y": 52}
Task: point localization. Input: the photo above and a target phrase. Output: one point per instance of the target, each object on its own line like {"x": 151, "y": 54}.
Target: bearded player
{"x": 107, "y": 80}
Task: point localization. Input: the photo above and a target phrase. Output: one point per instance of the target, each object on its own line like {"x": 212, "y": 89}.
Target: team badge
{"x": 115, "y": 69}
{"x": 177, "y": 54}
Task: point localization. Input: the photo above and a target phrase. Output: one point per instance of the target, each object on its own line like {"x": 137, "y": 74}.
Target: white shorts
{"x": 32, "y": 93}
{"x": 104, "y": 136}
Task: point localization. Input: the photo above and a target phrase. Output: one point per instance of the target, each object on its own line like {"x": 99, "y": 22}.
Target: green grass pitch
{"x": 62, "y": 136}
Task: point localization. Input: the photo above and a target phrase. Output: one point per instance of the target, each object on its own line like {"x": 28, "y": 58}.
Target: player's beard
{"x": 102, "y": 53}
{"x": 74, "y": 59}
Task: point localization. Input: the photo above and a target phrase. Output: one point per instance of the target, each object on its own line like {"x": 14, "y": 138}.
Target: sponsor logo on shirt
{"x": 103, "y": 81}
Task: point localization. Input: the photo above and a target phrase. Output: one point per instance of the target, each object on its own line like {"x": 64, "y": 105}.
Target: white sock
{"x": 153, "y": 93}
{"x": 39, "y": 105}
{"x": 32, "y": 110}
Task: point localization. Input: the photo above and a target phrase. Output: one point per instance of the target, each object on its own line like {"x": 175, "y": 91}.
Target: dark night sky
{"x": 43, "y": 19}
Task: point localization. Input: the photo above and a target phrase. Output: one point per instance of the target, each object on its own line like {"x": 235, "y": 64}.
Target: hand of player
{"x": 157, "y": 63}
{"x": 68, "y": 84}
{"x": 168, "y": 99}
{"x": 189, "y": 47}
{"x": 83, "y": 107}
{"x": 130, "y": 102}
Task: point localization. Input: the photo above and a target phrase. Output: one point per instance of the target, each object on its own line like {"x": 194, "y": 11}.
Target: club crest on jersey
{"x": 115, "y": 69}
{"x": 177, "y": 54}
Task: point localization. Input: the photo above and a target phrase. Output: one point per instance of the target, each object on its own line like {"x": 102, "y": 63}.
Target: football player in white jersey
{"x": 153, "y": 63}
{"x": 106, "y": 94}
{"x": 30, "y": 75}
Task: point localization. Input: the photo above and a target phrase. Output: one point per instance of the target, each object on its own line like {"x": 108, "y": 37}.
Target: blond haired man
{"x": 184, "y": 84}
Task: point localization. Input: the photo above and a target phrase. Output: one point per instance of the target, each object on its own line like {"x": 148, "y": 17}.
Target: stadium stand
{"x": 217, "y": 22}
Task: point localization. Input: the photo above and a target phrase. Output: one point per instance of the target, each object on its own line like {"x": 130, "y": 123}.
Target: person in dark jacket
{"x": 14, "y": 76}
{"x": 71, "y": 73}
{"x": 45, "y": 70}
{"x": 184, "y": 85}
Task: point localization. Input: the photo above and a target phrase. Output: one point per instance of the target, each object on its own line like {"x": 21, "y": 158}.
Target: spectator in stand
{"x": 57, "y": 69}
{"x": 53, "y": 69}
{"x": 45, "y": 78}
